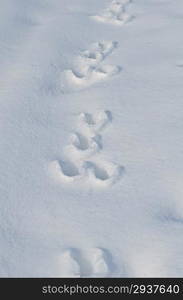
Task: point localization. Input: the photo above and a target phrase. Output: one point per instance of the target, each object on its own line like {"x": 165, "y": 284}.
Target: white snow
{"x": 91, "y": 119}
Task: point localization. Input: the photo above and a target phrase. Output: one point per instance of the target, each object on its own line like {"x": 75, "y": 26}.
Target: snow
{"x": 91, "y": 118}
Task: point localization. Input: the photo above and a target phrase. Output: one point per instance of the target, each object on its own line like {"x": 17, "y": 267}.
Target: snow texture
{"x": 91, "y": 118}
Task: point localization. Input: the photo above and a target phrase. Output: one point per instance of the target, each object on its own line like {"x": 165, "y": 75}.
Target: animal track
{"x": 83, "y": 147}
{"x": 103, "y": 174}
{"x": 100, "y": 265}
{"x": 115, "y": 13}
{"x": 94, "y": 262}
{"x": 86, "y": 143}
{"x": 93, "y": 75}
{"x": 69, "y": 267}
{"x": 96, "y": 122}
{"x": 88, "y": 68}
{"x": 66, "y": 170}
{"x": 97, "y": 53}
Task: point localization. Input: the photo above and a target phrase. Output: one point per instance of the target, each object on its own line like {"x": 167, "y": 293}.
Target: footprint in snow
{"x": 115, "y": 14}
{"x": 94, "y": 262}
{"x": 89, "y": 68}
{"x": 96, "y": 122}
{"x": 87, "y": 140}
{"x": 68, "y": 264}
{"x": 91, "y": 76}
{"x": 84, "y": 144}
{"x": 96, "y": 53}
{"x": 83, "y": 147}
{"x": 102, "y": 175}
{"x": 66, "y": 171}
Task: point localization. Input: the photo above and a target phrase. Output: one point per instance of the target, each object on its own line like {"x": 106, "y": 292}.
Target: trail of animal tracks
{"x": 91, "y": 118}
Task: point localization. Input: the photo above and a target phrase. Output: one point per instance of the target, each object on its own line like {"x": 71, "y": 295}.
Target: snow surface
{"x": 91, "y": 118}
